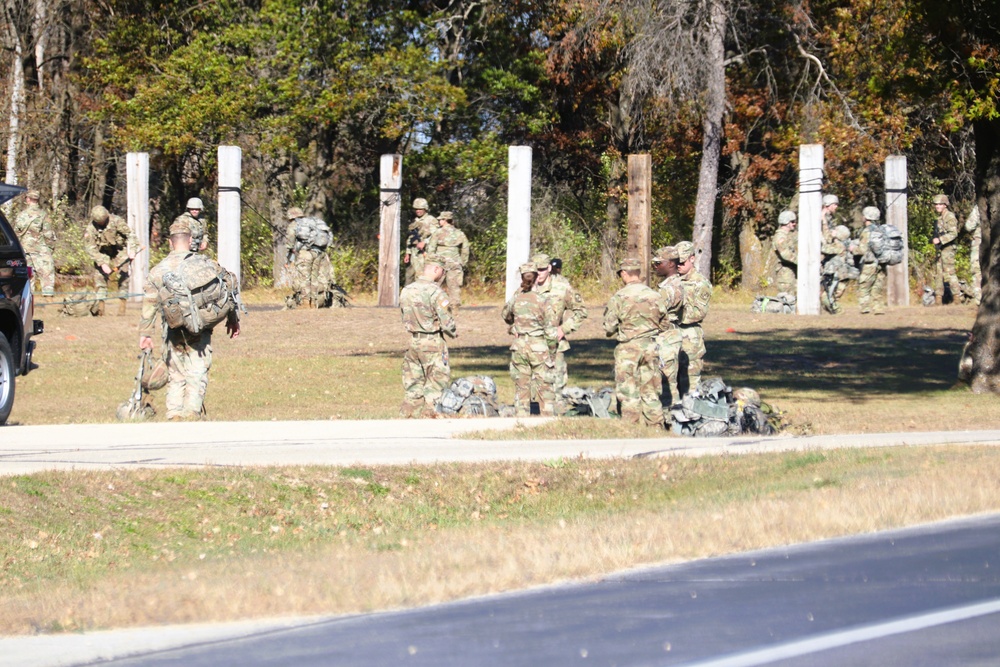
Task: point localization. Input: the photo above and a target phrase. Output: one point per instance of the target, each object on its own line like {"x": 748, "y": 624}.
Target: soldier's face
{"x": 543, "y": 275}
{"x": 419, "y": 212}
{"x": 939, "y": 207}
{"x": 195, "y": 212}
{"x": 685, "y": 267}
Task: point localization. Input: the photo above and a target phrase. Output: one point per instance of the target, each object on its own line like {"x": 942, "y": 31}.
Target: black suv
{"x": 17, "y": 308}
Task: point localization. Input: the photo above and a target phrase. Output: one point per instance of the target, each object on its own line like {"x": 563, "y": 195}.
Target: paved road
{"x": 924, "y": 596}
{"x": 25, "y": 449}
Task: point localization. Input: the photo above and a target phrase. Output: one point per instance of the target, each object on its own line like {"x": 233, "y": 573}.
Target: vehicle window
{"x": 5, "y": 239}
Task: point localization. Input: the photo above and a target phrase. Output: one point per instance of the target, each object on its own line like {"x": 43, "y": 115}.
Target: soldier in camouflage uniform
{"x": 188, "y": 356}
{"x": 570, "y": 313}
{"x": 451, "y": 245}
{"x": 975, "y": 229}
{"x": 112, "y": 245}
{"x": 533, "y": 323}
{"x": 945, "y": 237}
{"x": 37, "y": 238}
{"x": 786, "y": 247}
{"x": 312, "y": 271}
{"x": 697, "y": 294}
{"x": 417, "y": 237}
{"x": 871, "y": 282}
{"x": 828, "y": 216}
{"x": 635, "y": 315}
{"x": 192, "y": 218}
{"x": 837, "y": 264}
{"x": 672, "y": 292}
{"x": 427, "y": 318}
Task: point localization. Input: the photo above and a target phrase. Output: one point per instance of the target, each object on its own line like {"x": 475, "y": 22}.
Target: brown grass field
{"x": 87, "y": 550}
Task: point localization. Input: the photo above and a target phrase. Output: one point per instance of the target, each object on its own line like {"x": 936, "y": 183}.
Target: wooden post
{"x": 518, "y": 213}
{"x": 810, "y": 220}
{"x": 390, "y": 182}
{"x": 640, "y": 203}
{"x": 137, "y": 216}
{"x": 230, "y": 211}
{"x": 898, "y": 276}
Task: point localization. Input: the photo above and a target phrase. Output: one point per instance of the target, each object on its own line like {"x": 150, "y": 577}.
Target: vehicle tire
{"x": 7, "y": 373}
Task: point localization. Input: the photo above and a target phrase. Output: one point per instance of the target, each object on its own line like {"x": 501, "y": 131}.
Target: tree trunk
{"x": 611, "y": 234}
{"x": 708, "y": 175}
{"x": 16, "y": 109}
{"x": 981, "y": 361}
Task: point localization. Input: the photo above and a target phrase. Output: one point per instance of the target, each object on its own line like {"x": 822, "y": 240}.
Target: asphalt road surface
{"x": 925, "y": 596}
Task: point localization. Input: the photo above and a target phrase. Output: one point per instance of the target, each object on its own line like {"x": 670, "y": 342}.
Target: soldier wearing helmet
{"x": 838, "y": 268}
{"x": 37, "y": 238}
{"x": 451, "y": 244}
{"x": 312, "y": 273}
{"x": 828, "y": 216}
{"x": 665, "y": 265}
{"x": 111, "y": 245}
{"x": 871, "y": 281}
{"x": 945, "y": 237}
{"x": 697, "y": 295}
{"x": 417, "y": 237}
{"x": 192, "y": 216}
{"x": 786, "y": 247}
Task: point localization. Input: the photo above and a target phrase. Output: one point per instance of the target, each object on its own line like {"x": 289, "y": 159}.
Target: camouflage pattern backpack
{"x": 783, "y": 302}
{"x": 198, "y": 295}
{"x": 714, "y": 409}
{"x": 886, "y": 243}
{"x": 472, "y": 396}
{"x": 313, "y": 232}
{"x": 83, "y": 304}
{"x": 590, "y": 402}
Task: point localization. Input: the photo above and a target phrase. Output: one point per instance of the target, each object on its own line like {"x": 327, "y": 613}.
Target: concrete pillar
{"x": 230, "y": 209}
{"x": 640, "y": 205}
{"x": 810, "y": 216}
{"x": 518, "y": 213}
{"x": 898, "y": 276}
{"x": 137, "y": 216}
{"x": 390, "y": 182}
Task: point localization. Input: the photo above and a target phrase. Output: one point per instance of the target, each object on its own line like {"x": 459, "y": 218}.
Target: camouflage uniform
{"x": 635, "y": 315}
{"x": 697, "y": 294}
{"x": 110, "y": 245}
{"x": 37, "y": 238}
{"x": 670, "y": 341}
{"x": 426, "y": 374}
{"x": 836, "y": 253}
{"x": 188, "y": 356}
{"x": 570, "y": 313}
{"x": 419, "y": 231}
{"x": 946, "y": 227}
{"x": 973, "y": 226}
{"x": 312, "y": 272}
{"x": 533, "y": 323}
{"x": 197, "y": 226}
{"x": 451, "y": 245}
{"x": 871, "y": 282}
{"x": 786, "y": 247}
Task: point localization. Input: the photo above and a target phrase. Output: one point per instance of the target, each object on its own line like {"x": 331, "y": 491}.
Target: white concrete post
{"x": 390, "y": 182}
{"x": 230, "y": 210}
{"x": 898, "y": 276}
{"x": 809, "y": 226}
{"x": 137, "y": 216}
{"x": 518, "y": 213}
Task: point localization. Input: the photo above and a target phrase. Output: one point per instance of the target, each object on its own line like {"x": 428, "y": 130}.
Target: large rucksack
{"x": 198, "y": 294}
{"x": 473, "y": 396}
{"x": 313, "y": 232}
{"x": 714, "y": 409}
{"x": 886, "y": 243}
{"x": 782, "y": 303}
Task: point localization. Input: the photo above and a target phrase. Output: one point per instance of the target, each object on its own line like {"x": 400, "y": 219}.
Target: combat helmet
{"x": 786, "y": 217}
{"x": 871, "y": 213}
{"x": 941, "y": 199}
{"x": 420, "y": 203}
{"x": 195, "y": 203}
{"x": 100, "y": 215}
{"x": 829, "y": 200}
{"x": 295, "y": 212}
{"x": 842, "y": 232}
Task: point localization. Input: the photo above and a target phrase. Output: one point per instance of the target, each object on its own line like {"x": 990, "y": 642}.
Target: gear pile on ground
{"x": 472, "y": 396}
{"x": 715, "y": 409}
{"x": 590, "y": 402}
{"x": 783, "y": 302}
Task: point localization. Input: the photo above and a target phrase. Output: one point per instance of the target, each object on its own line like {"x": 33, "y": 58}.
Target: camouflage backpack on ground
{"x": 334, "y": 296}
{"x": 82, "y": 305}
{"x": 714, "y": 409}
{"x": 198, "y": 295}
{"x": 473, "y": 396}
{"x": 138, "y": 407}
{"x": 886, "y": 243}
{"x": 313, "y": 232}
{"x": 783, "y": 302}
{"x": 840, "y": 269}
{"x": 590, "y": 402}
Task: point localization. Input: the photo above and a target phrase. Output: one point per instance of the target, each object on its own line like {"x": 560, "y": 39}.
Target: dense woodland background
{"x": 720, "y": 92}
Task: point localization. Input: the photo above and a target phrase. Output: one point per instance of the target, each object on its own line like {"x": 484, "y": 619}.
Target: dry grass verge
{"x": 99, "y": 549}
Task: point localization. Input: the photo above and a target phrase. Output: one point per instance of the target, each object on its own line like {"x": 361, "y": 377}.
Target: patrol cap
{"x": 665, "y": 254}
{"x": 180, "y": 227}
{"x": 685, "y": 249}
{"x": 786, "y": 217}
{"x": 295, "y": 212}
{"x": 541, "y": 261}
{"x": 870, "y": 213}
{"x": 33, "y": 194}
{"x": 99, "y": 214}
{"x": 195, "y": 203}
{"x": 941, "y": 199}
{"x": 420, "y": 203}
{"x": 436, "y": 260}
{"x": 527, "y": 267}
{"x": 445, "y": 215}
{"x": 630, "y": 264}
{"x": 830, "y": 199}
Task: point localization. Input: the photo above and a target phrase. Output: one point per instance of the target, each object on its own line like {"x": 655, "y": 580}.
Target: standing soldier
{"x": 672, "y": 293}
{"x": 308, "y": 239}
{"x": 452, "y": 246}
{"x": 427, "y": 318}
{"x": 37, "y": 238}
{"x": 569, "y": 313}
{"x": 697, "y": 294}
{"x": 112, "y": 245}
{"x": 945, "y": 235}
{"x": 533, "y": 324}
{"x": 786, "y": 247}
{"x": 192, "y": 216}
{"x": 838, "y": 269}
{"x": 871, "y": 282}
{"x": 188, "y": 356}
{"x": 419, "y": 234}
{"x": 635, "y": 315}
{"x": 974, "y": 228}
{"x": 828, "y": 216}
